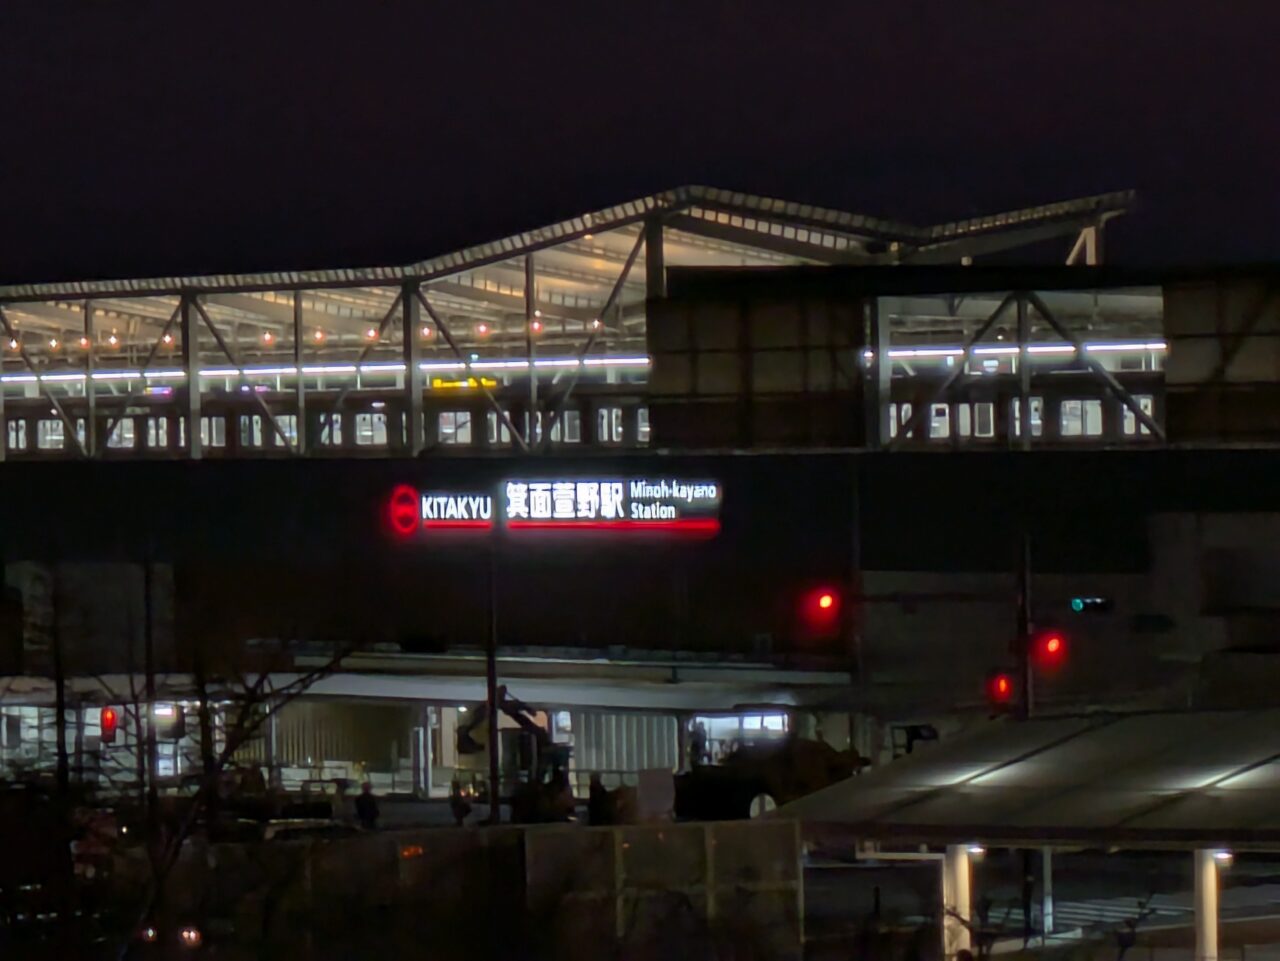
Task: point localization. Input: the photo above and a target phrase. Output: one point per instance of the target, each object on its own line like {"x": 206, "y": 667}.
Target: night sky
{"x": 143, "y": 139}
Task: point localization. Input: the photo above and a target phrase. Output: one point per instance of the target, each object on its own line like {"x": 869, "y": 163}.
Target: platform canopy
{"x": 580, "y": 279}
{"x": 1195, "y": 779}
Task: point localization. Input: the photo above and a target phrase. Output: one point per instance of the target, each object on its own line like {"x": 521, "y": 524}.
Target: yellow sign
{"x": 441, "y": 382}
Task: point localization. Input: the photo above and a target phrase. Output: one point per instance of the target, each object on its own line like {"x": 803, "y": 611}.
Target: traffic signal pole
{"x": 1026, "y": 694}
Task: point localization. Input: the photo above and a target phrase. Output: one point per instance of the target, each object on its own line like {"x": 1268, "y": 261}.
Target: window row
{"x": 1077, "y": 417}
{"x": 456, "y": 427}
{"x": 364, "y": 429}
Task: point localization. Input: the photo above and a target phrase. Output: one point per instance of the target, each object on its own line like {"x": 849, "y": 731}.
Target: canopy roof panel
{"x": 1184, "y": 779}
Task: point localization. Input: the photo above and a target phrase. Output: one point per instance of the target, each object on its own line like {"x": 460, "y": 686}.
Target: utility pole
{"x": 149, "y": 667}
{"x": 63, "y": 773}
{"x": 491, "y": 681}
{"x": 1022, "y": 640}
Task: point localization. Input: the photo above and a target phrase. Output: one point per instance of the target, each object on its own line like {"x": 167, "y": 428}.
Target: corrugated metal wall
{"x": 618, "y": 741}
{"x": 311, "y": 732}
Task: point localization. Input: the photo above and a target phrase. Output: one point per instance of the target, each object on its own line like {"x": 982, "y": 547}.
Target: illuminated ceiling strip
{"x": 638, "y": 363}
{"x": 1155, "y": 346}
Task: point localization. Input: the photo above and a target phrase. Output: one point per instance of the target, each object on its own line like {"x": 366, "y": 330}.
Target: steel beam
{"x": 557, "y": 409}
{"x": 336, "y": 406}
{"x": 191, "y": 364}
{"x": 90, "y": 390}
{"x": 136, "y": 392}
{"x": 411, "y": 343}
{"x": 1024, "y": 375}
{"x": 488, "y": 394}
{"x": 655, "y": 265}
{"x": 226, "y": 349}
{"x": 530, "y": 314}
{"x": 67, "y": 423}
{"x": 300, "y": 383}
{"x": 4, "y": 427}
{"x": 877, "y": 378}
{"x": 759, "y": 240}
{"x": 921, "y": 412}
{"x": 1104, "y": 375}
{"x": 1231, "y": 348}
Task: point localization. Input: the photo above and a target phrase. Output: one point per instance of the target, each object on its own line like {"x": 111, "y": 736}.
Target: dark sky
{"x": 142, "y": 139}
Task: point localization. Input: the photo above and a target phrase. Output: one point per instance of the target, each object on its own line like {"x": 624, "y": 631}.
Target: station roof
{"x": 1161, "y": 779}
{"x": 588, "y": 267}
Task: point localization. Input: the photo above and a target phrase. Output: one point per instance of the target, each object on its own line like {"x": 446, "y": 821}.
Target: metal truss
{"x": 921, "y": 412}
{"x": 67, "y": 423}
{"x": 818, "y": 232}
{"x": 1100, "y": 372}
{"x": 488, "y": 394}
{"x": 226, "y": 349}
{"x": 133, "y": 395}
{"x": 694, "y": 218}
{"x": 557, "y": 408}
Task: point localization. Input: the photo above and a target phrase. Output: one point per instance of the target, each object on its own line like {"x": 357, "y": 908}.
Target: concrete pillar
{"x": 1046, "y": 891}
{"x": 1206, "y": 906}
{"x": 956, "y": 912}
{"x": 422, "y": 760}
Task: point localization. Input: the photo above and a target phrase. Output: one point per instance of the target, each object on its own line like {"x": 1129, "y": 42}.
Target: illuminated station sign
{"x": 645, "y": 504}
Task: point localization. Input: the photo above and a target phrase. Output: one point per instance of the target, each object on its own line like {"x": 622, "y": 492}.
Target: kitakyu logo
{"x": 403, "y": 511}
{"x": 410, "y": 510}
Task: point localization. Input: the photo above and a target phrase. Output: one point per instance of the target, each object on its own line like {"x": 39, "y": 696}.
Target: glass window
{"x": 1037, "y": 407}
{"x": 609, "y": 425}
{"x": 157, "y": 432}
{"x": 1092, "y": 413}
{"x": 213, "y": 431}
{"x": 568, "y": 429}
{"x": 642, "y": 425}
{"x": 1072, "y": 418}
{"x": 1131, "y": 426}
{"x": 455, "y": 426}
{"x": 537, "y": 426}
{"x": 331, "y": 430}
{"x": 497, "y": 432}
{"x": 289, "y": 427}
{"x": 964, "y": 420}
{"x": 49, "y": 434}
{"x": 122, "y": 435}
{"x": 80, "y": 431}
{"x": 940, "y": 420}
{"x": 17, "y": 435}
{"x": 250, "y": 430}
{"x": 182, "y": 432}
{"x": 984, "y": 419}
{"x": 371, "y": 429}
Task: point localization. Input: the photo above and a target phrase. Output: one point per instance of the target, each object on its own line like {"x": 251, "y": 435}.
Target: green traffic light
{"x": 1077, "y": 604}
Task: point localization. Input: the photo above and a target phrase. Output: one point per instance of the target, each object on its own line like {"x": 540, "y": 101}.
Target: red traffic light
{"x": 1049, "y": 649}
{"x": 109, "y": 721}
{"x": 1001, "y": 690}
{"x": 822, "y": 604}
{"x": 819, "y": 611}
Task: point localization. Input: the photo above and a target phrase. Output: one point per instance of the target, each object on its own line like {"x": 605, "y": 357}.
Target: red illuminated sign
{"x": 403, "y": 510}
{"x": 634, "y": 505}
